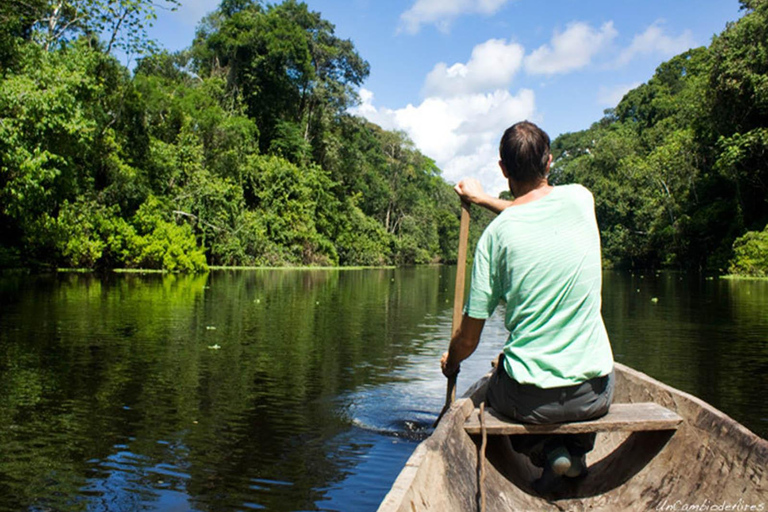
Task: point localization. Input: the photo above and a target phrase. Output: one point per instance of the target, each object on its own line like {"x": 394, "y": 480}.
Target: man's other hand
{"x": 448, "y": 370}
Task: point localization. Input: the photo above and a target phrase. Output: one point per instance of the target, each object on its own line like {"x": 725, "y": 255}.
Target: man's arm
{"x": 470, "y": 190}
{"x": 463, "y": 344}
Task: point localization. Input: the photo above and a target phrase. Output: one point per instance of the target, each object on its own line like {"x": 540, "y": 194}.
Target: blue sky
{"x": 453, "y": 74}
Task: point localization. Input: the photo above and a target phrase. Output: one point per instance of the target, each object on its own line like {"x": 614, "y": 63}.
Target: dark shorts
{"x": 527, "y": 403}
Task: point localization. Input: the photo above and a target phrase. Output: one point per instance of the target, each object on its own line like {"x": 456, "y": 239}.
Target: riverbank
{"x": 745, "y": 278}
{"x": 12, "y": 271}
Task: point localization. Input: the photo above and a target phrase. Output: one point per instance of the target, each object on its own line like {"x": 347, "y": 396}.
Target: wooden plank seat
{"x": 635, "y": 417}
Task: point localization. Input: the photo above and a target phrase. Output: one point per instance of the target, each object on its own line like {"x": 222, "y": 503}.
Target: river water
{"x": 294, "y": 389}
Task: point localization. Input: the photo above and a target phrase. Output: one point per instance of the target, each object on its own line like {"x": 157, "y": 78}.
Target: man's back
{"x": 543, "y": 259}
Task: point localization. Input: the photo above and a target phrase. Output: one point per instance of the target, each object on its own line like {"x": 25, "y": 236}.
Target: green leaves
{"x": 741, "y": 155}
{"x": 739, "y": 80}
{"x": 750, "y": 254}
{"x": 163, "y": 244}
{"x": 89, "y": 235}
{"x": 291, "y": 203}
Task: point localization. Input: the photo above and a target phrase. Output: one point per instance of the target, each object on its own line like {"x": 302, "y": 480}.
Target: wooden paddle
{"x": 458, "y": 301}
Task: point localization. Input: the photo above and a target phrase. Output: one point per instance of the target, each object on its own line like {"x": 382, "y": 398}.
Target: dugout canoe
{"x": 709, "y": 463}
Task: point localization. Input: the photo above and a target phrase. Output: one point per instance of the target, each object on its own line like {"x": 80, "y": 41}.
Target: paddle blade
{"x": 450, "y": 397}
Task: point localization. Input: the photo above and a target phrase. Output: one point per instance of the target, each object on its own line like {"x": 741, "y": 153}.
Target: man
{"x": 541, "y": 256}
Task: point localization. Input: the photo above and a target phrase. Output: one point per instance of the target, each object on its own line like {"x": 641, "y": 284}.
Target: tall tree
{"x": 286, "y": 63}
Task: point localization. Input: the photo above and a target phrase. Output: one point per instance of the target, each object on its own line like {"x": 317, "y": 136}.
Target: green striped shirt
{"x": 543, "y": 259}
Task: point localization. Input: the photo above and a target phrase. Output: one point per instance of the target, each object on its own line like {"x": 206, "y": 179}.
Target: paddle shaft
{"x": 461, "y": 262}
{"x": 458, "y": 299}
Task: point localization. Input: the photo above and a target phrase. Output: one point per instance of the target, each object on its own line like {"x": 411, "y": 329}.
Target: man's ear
{"x": 504, "y": 169}
{"x": 549, "y": 162}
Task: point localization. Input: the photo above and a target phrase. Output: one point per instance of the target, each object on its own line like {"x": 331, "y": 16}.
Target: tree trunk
{"x": 53, "y": 21}
{"x": 116, "y": 29}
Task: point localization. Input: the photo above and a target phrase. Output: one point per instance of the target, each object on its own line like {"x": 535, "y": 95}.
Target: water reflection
{"x": 292, "y": 390}
{"x": 707, "y": 337}
{"x": 224, "y": 391}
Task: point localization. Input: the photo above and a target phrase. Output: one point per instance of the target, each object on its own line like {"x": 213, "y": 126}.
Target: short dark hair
{"x": 524, "y": 151}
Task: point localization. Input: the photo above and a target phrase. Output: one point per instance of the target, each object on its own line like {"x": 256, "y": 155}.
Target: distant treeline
{"x": 241, "y": 150}
{"x": 679, "y": 168}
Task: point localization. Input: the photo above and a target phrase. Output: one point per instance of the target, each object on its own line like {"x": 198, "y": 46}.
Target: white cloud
{"x": 611, "y": 96}
{"x": 654, "y": 42}
{"x": 570, "y": 50}
{"x": 491, "y": 66}
{"x": 460, "y": 133}
{"x": 441, "y": 13}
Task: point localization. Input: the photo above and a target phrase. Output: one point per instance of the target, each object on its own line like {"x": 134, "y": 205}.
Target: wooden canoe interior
{"x": 709, "y": 459}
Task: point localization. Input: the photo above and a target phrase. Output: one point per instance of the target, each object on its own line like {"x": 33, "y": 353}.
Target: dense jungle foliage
{"x": 240, "y": 150}
{"x": 679, "y": 167}
{"x": 237, "y": 151}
